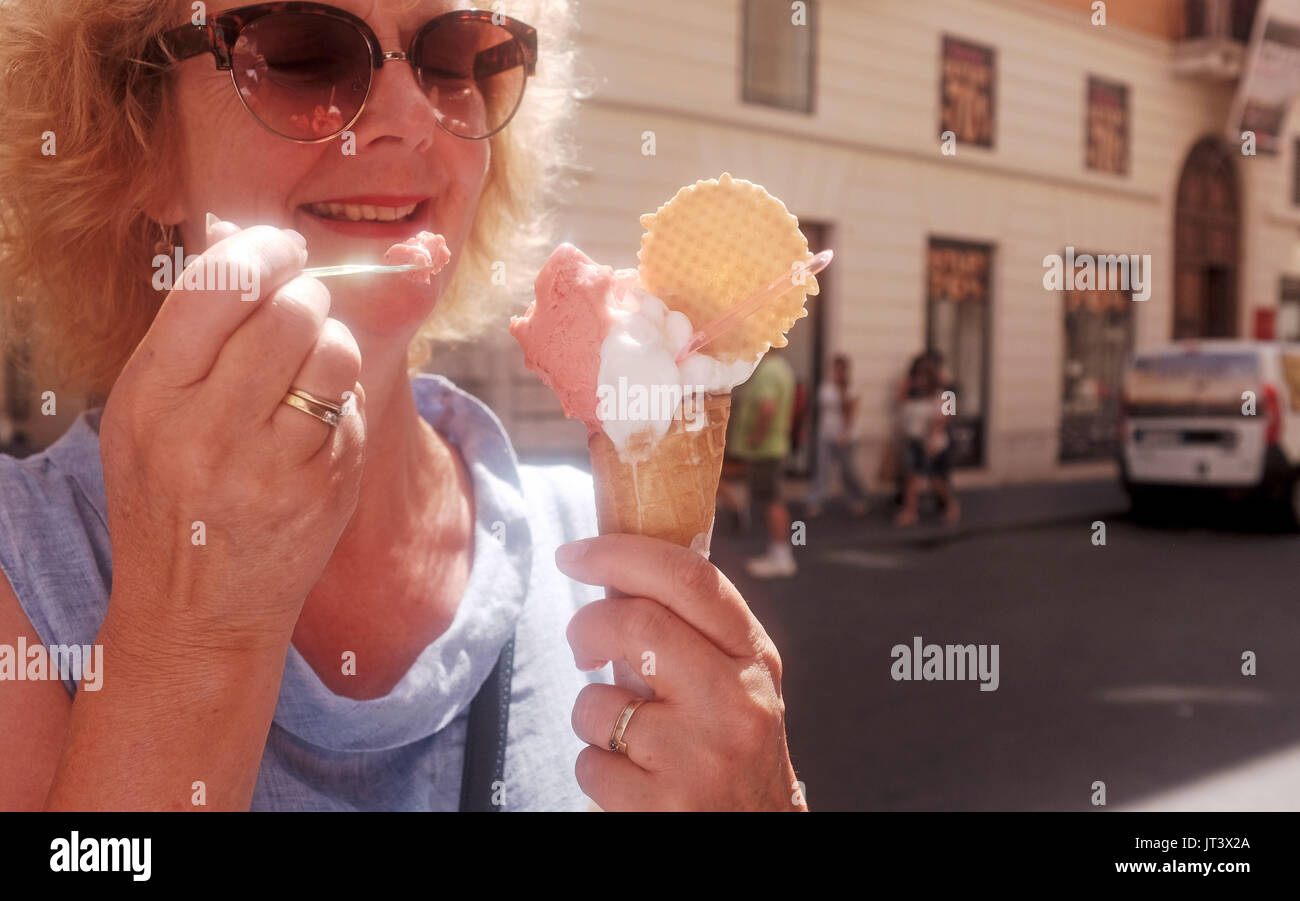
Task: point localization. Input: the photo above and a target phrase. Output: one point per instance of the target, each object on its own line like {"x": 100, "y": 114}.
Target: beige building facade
{"x": 867, "y": 168}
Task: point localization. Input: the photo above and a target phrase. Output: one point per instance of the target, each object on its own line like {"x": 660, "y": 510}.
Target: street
{"x": 1118, "y": 663}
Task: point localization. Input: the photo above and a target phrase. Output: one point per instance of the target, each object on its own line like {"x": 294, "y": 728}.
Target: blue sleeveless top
{"x": 403, "y": 751}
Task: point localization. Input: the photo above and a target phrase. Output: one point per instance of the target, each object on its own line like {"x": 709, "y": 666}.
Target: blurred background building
{"x": 942, "y": 150}
{"x": 1108, "y": 138}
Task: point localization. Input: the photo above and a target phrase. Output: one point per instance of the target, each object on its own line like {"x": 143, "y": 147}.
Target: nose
{"x": 397, "y": 108}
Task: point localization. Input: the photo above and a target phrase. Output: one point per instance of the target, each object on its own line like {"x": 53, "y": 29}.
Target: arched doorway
{"x": 1206, "y": 228}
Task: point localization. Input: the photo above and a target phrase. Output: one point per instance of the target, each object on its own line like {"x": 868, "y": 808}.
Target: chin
{"x": 390, "y": 310}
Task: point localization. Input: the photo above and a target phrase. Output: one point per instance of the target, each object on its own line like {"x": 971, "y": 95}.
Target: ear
{"x": 166, "y": 210}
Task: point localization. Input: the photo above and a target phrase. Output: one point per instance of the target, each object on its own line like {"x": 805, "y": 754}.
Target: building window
{"x": 1098, "y": 339}
{"x": 1288, "y": 310}
{"x": 1107, "y": 126}
{"x": 780, "y": 54}
{"x": 967, "y": 101}
{"x": 959, "y": 275}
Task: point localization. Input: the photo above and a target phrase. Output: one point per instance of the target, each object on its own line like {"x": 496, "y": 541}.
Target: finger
{"x": 614, "y": 782}
{"x": 677, "y": 577}
{"x": 191, "y": 326}
{"x": 350, "y": 435}
{"x": 649, "y": 739}
{"x": 265, "y": 354}
{"x": 331, "y": 368}
{"x": 672, "y": 657}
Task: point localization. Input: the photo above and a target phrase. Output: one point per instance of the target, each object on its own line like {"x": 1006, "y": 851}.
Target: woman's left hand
{"x": 713, "y": 738}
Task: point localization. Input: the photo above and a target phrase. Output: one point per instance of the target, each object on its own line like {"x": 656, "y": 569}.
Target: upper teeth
{"x": 357, "y": 212}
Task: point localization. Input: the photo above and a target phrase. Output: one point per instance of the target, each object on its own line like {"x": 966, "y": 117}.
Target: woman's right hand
{"x": 224, "y": 504}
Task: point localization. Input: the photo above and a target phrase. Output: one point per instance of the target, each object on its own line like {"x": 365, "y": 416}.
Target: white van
{"x": 1213, "y": 414}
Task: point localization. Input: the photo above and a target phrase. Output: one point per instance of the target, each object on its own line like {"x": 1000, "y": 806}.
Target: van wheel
{"x": 1291, "y": 510}
{"x": 1140, "y": 507}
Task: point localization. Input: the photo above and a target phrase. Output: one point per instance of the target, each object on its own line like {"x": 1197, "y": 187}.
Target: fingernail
{"x": 211, "y": 222}
{"x": 568, "y": 554}
{"x": 297, "y": 238}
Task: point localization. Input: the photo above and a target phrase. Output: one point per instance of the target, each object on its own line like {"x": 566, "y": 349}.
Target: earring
{"x": 166, "y": 241}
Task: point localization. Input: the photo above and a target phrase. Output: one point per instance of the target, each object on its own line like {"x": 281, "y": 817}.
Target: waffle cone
{"x": 671, "y": 493}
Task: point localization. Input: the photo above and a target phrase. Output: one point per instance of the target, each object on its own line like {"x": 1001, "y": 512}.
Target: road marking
{"x": 863, "y": 559}
{"x": 1184, "y": 694}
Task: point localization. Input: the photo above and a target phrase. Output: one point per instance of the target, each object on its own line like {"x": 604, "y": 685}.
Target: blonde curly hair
{"x": 76, "y": 244}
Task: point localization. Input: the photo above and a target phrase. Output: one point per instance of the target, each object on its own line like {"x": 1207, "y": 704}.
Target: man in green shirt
{"x": 760, "y": 436}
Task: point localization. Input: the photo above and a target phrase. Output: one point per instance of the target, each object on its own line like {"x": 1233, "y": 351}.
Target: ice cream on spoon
{"x": 419, "y": 258}
{"x": 425, "y": 250}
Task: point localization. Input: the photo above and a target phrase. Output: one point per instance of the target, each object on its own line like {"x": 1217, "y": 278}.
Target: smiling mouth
{"x": 363, "y": 212}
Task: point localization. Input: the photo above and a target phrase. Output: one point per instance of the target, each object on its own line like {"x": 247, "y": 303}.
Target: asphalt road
{"x": 1118, "y": 663}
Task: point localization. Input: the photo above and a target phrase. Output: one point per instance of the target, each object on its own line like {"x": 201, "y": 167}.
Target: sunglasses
{"x": 304, "y": 70}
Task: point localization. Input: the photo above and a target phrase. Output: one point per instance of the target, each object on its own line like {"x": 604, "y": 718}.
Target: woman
{"x": 837, "y": 438}
{"x": 925, "y": 443}
{"x": 297, "y": 609}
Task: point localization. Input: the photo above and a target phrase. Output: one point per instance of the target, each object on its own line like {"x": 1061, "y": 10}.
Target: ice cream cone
{"x": 671, "y": 493}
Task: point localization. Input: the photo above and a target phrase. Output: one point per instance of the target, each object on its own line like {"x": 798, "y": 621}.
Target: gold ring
{"x": 616, "y": 742}
{"x": 337, "y": 408}
{"x": 323, "y": 410}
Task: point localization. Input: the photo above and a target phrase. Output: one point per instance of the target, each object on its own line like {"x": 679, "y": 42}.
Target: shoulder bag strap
{"x": 485, "y": 738}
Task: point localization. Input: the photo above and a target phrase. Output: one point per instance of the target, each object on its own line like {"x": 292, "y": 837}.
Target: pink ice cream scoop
{"x": 426, "y": 250}
{"x": 562, "y": 330}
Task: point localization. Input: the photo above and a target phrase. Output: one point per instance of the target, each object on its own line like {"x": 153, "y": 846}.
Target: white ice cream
{"x": 640, "y": 387}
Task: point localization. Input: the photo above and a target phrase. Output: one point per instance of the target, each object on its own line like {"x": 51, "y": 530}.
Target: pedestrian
{"x": 946, "y": 383}
{"x": 837, "y": 440}
{"x": 762, "y": 440}
{"x": 925, "y": 444}
{"x": 892, "y": 471}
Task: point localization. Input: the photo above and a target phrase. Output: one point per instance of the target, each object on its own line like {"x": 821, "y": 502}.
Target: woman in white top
{"x": 925, "y": 444}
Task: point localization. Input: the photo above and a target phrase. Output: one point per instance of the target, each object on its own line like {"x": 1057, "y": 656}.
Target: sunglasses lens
{"x": 304, "y": 76}
{"x": 474, "y": 73}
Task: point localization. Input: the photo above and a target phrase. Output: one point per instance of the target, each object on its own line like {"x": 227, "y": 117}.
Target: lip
{"x": 389, "y": 231}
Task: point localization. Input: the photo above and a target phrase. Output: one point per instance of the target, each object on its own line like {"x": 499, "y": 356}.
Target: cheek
{"x": 470, "y": 175}
{"x": 213, "y": 123}
{"x": 234, "y": 167}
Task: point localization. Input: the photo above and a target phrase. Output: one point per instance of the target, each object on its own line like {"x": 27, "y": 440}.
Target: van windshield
{"x": 1238, "y": 364}
{"x": 1191, "y": 384}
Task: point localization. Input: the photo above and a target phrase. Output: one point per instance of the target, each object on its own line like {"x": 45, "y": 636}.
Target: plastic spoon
{"x": 728, "y": 320}
{"x": 358, "y": 269}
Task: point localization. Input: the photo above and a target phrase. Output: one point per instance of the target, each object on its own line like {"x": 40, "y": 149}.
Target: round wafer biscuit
{"x": 713, "y": 245}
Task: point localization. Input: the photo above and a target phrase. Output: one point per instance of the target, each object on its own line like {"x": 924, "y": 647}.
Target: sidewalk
{"x": 982, "y": 510}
